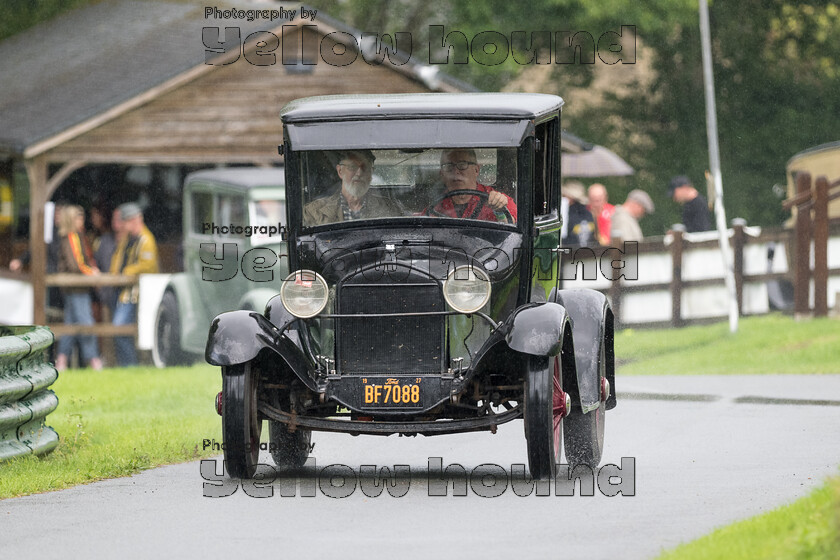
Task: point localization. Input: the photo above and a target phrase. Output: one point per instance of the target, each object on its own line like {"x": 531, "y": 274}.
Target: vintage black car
{"x": 424, "y": 296}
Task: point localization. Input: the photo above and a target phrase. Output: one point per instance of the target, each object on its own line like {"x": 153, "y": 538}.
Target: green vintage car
{"x": 234, "y": 239}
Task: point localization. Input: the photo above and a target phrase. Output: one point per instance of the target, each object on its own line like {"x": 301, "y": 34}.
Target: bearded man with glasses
{"x": 353, "y": 201}
{"x": 459, "y": 170}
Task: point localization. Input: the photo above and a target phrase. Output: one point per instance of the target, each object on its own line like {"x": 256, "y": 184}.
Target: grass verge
{"x": 118, "y": 422}
{"x": 766, "y": 344}
{"x": 806, "y": 529}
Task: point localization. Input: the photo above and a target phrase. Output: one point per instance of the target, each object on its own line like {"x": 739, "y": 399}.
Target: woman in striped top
{"x": 76, "y": 257}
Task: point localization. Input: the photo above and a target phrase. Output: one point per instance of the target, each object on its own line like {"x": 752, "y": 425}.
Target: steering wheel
{"x": 483, "y": 198}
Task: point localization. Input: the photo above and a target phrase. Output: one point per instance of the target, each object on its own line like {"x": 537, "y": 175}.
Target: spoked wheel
{"x": 545, "y": 406}
{"x": 288, "y": 449}
{"x": 584, "y": 433}
{"x": 241, "y": 426}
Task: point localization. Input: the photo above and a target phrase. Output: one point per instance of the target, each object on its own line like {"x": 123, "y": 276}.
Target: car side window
{"x": 231, "y": 211}
{"x": 546, "y": 167}
{"x": 202, "y": 211}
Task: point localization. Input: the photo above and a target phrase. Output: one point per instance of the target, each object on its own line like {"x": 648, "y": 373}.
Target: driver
{"x": 353, "y": 201}
{"x": 459, "y": 171}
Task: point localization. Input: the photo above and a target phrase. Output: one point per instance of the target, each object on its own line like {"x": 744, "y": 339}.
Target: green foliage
{"x": 19, "y": 15}
{"x": 776, "y": 77}
{"x": 775, "y": 67}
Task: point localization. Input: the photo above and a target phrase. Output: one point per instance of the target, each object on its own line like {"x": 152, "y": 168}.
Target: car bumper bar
{"x": 358, "y": 427}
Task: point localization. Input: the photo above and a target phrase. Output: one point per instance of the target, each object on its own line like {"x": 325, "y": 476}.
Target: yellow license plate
{"x": 391, "y": 392}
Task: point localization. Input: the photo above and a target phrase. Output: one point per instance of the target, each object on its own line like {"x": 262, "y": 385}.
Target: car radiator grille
{"x": 390, "y": 345}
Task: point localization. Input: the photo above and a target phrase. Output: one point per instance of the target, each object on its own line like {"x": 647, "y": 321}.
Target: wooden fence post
{"x": 821, "y": 247}
{"x": 739, "y": 240}
{"x": 615, "y": 287}
{"x": 802, "y": 257}
{"x": 676, "y": 276}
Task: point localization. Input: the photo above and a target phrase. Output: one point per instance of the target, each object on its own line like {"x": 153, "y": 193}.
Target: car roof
{"x": 245, "y": 178}
{"x": 421, "y": 105}
{"x": 814, "y": 150}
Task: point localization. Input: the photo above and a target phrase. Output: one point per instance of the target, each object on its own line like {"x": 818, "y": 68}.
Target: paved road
{"x": 708, "y": 450}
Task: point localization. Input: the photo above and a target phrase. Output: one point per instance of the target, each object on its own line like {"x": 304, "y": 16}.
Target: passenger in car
{"x": 353, "y": 201}
{"x": 459, "y": 170}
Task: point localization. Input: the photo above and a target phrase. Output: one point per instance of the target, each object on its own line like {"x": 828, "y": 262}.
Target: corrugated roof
{"x": 76, "y": 66}
{"x": 72, "y": 68}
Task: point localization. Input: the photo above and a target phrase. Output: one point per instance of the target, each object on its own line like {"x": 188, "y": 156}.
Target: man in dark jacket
{"x": 695, "y": 208}
{"x": 578, "y": 223}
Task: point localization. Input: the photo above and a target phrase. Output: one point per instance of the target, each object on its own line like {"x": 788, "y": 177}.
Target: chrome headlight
{"x": 467, "y": 289}
{"x": 304, "y": 293}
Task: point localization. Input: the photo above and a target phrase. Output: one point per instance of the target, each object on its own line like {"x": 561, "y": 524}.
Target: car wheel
{"x": 166, "y": 349}
{"x": 584, "y": 433}
{"x": 288, "y": 449}
{"x": 545, "y": 405}
{"x": 241, "y": 425}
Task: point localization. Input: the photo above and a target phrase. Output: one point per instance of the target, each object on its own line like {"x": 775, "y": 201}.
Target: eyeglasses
{"x": 353, "y": 168}
{"x": 459, "y": 165}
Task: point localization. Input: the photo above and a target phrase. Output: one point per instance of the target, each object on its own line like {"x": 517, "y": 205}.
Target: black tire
{"x": 543, "y": 418}
{"x": 241, "y": 426}
{"x": 288, "y": 449}
{"x": 584, "y": 433}
{"x": 166, "y": 349}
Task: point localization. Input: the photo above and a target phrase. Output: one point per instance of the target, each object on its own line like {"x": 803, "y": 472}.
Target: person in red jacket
{"x": 602, "y": 211}
{"x": 459, "y": 170}
{"x": 76, "y": 257}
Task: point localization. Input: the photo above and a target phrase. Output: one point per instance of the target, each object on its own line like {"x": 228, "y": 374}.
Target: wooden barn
{"x": 119, "y": 100}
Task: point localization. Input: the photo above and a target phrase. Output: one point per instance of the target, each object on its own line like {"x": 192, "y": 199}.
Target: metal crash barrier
{"x": 25, "y": 399}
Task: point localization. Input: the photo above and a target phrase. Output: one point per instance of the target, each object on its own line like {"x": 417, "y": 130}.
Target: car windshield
{"x": 460, "y": 183}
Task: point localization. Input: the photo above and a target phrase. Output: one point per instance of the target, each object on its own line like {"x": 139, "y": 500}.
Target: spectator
{"x": 103, "y": 241}
{"x": 581, "y": 225}
{"x": 695, "y": 213}
{"x": 104, "y": 247}
{"x": 601, "y": 210}
{"x": 135, "y": 254}
{"x": 76, "y": 257}
{"x": 353, "y": 201}
{"x": 625, "y": 219}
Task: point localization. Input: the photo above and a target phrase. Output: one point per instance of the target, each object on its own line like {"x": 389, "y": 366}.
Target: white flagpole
{"x": 714, "y": 163}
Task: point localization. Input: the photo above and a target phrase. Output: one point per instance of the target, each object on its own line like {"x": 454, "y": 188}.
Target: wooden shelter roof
{"x": 75, "y": 72}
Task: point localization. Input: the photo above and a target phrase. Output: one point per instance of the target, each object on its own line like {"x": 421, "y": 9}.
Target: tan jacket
{"x": 327, "y": 210}
{"x": 625, "y": 226}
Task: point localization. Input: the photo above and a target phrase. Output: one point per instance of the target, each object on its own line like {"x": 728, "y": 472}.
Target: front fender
{"x": 237, "y": 337}
{"x": 536, "y": 329}
{"x": 592, "y": 322}
{"x": 277, "y": 313}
